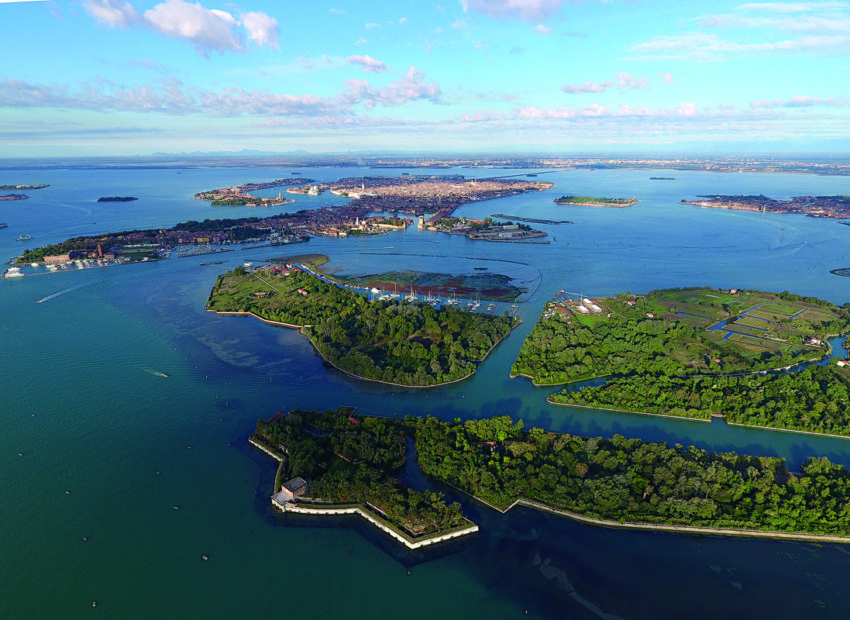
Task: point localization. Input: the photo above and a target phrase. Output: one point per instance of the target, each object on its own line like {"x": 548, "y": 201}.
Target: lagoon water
{"x": 155, "y": 472}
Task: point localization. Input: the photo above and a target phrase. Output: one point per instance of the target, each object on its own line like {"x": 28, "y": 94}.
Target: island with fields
{"x": 589, "y": 201}
{"x": 337, "y": 462}
{"x": 117, "y": 199}
{"x": 837, "y": 207}
{"x": 696, "y": 353}
{"x": 387, "y": 340}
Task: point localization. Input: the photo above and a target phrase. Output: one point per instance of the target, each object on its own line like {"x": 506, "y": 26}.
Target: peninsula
{"x": 589, "y": 201}
{"x": 837, "y": 207}
{"x": 400, "y": 343}
{"x": 696, "y": 353}
{"x": 337, "y": 462}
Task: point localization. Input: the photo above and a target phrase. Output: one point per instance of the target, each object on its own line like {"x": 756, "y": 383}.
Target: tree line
{"x": 815, "y": 399}
{"x": 385, "y": 340}
{"x": 349, "y": 458}
{"x": 630, "y": 480}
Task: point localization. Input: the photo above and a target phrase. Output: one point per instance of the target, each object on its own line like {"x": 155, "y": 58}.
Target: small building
{"x": 293, "y": 488}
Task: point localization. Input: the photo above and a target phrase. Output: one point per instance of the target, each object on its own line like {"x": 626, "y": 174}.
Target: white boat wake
{"x": 62, "y": 292}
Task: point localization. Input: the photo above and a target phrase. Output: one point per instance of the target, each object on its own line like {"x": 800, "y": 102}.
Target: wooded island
{"x": 615, "y": 482}
{"x": 410, "y": 344}
{"x": 354, "y": 459}
{"x": 589, "y": 201}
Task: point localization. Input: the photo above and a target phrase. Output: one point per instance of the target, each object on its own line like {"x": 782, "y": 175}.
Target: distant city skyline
{"x": 122, "y": 78}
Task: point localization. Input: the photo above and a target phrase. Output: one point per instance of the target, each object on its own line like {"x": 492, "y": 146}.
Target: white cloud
{"x": 402, "y": 21}
{"x": 459, "y": 23}
{"x": 541, "y": 29}
{"x": 801, "y": 101}
{"x": 206, "y": 29}
{"x": 700, "y": 46}
{"x": 371, "y": 25}
{"x": 170, "y": 96}
{"x": 770, "y": 28}
{"x": 586, "y": 87}
{"x": 367, "y": 63}
{"x": 528, "y": 10}
{"x": 112, "y": 13}
{"x": 624, "y": 81}
{"x": 262, "y": 29}
{"x": 410, "y": 87}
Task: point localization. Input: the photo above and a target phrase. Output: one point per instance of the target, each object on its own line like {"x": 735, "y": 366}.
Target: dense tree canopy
{"x": 396, "y": 342}
{"x": 630, "y": 480}
{"x": 350, "y": 458}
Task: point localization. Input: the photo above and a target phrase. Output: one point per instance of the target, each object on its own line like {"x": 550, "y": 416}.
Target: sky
{"x": 137, "y": 77}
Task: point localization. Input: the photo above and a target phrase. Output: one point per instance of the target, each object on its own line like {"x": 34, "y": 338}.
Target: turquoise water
{"x": 85, "y": 405}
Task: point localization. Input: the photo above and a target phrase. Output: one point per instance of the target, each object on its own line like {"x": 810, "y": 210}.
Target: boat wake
{"x": 62, "y": 292}
{"x": 156, "y": 373}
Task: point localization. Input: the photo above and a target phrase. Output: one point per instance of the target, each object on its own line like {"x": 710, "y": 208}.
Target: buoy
{"x": 94, "y": 603}
{"x": 85, "y": 539}
{"x": 67, "y": 492}
{"x": 206, "y": 557}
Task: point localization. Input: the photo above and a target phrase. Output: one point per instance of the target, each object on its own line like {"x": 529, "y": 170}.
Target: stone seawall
{"x": 275, "y": 455}
{"x": 355, "y": 509}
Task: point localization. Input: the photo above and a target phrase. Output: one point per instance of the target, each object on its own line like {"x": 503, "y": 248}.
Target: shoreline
{"x": 692, "y": 530}
{"x": 382, "y": 524}
{"x": 659, "y": 415}
{"x": 300, "y": 329}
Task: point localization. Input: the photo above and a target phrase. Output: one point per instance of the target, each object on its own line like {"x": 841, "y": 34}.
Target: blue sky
{"x": 134, "y": 77}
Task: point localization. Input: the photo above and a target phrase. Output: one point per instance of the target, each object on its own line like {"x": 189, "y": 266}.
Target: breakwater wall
{"x": 261, "y": 446}
{"x": 410, "y": 543}
{"x": 680, "y": 529}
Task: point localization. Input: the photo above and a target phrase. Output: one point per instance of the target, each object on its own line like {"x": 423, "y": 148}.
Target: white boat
{"x": 13, "y": 272}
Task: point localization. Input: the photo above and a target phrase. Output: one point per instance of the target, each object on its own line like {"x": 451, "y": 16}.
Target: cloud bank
{"x": 206, "y": 29}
